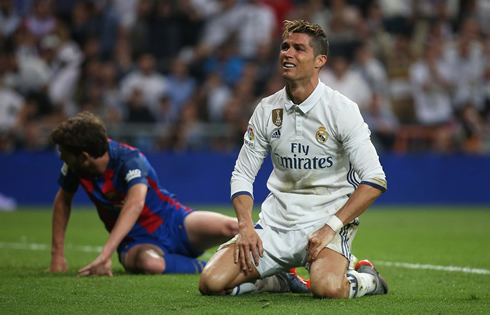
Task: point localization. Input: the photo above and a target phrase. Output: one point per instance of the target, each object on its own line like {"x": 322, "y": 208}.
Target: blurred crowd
{"x": 185, "y": 75}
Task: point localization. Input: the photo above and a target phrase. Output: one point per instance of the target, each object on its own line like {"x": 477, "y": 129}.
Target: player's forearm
{"x": 61, "y": 216}
{"x": 126, "y": 220}
{"x": 360, "y": 200}
{"x": 243, "y": 205}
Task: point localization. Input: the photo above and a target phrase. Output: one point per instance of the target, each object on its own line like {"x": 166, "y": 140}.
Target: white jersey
{"x": 321, "y": 151}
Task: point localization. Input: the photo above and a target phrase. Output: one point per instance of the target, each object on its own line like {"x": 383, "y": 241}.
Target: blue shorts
{"x": 171, "y": 237}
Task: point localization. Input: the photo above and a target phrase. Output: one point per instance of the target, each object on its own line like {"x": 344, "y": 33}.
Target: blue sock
{"x": 181, "y": 264}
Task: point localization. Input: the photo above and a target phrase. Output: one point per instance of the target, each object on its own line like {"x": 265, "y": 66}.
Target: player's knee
{"x": 209, "y": 284}
{"x": 330, "y": 286}
{"x": 150, "y": 265}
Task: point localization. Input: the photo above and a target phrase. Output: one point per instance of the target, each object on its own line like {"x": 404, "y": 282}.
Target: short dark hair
{"x": 319, "y": 40}
{"x": 83, "y": 133}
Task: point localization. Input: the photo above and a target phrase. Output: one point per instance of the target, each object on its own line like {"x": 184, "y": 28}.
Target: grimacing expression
{"x": 297, "y": 57}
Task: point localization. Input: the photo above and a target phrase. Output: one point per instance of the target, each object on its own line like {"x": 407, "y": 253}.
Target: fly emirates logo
{"x": 300, "y": 159}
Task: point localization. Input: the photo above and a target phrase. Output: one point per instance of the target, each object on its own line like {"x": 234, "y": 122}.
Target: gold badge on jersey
{"x": 321, "y": 135}
{"x": 277, "y": 116}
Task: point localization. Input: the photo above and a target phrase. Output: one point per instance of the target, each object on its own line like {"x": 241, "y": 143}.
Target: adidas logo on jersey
{"x": 276, "y": 134}
{"x": 132, "y": 174}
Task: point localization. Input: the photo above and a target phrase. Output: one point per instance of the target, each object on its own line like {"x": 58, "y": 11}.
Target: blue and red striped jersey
{"x": 127, "y": 167}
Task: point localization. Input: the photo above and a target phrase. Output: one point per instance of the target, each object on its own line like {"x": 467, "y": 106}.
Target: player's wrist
{"x": 335, "y": 223}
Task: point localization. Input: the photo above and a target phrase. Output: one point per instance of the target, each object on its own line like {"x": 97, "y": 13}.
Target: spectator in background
{"x": 82, "y": 22}
{"x": 126, "y": 10}
{"x": 148, "y": 80}
{"x": 227, "y": 62}
{"x": 136, "y": 34}
{"x": 371, "y": 70}
{"x": 139, "y": 113}
{"x": 431, "y": 86}
{"x": 10, "y": 20}
{"x": 111, "y": 95}
{"x": 216, "y": 94}
{"x": 339, "y": 76}
{"x": 475, "y": 131}
{"x": 190, "y": 134}
{"x": 398, "y": 62}
{"x": 398, "y": 15}
{"x": 122, "y": 56}
{"x": 373, "y": 31}
{"x": 181, "y": 86}
{"x": 12, "y": 104}
{"x": 41, "y": 20}
{"x": 26, "y": 73}
{"x": 342, "y": 24}
{"x": 266, "y": 62}
{"x": 382, "y": 122}
{"x": 137, "y": 110}
{"x": 466, "y": 57}
{"x": 251, "y": 23}
{"x": 64, "y": 59}
{"x": 99, "y": 19}
{"x": 282, "y": 11}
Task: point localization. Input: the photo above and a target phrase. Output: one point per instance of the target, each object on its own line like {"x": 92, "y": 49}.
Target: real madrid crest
{"x": 321, "y": 135}
{"x": 277, "y": 116}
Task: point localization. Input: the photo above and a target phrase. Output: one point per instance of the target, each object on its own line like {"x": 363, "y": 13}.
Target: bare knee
{"x": 151, "y": 265}
{"x": 210, "y": 284}
{"x": 146, "y": 261}
{"x": 330, "y": 286}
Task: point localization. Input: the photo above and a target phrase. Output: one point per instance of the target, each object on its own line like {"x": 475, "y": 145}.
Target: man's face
{"x": 77, "y": 164}
{"x": 297, "y": 57}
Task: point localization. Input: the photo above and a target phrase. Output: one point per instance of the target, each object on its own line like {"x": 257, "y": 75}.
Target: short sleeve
{"x": 68, "y": 180}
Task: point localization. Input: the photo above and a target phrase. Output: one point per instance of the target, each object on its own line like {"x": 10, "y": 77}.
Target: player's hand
{"x": 101, "y": 266}
{"x": 58, "y": 264}
{"x": 248, "y": 242}
{"x": 317, "y": 242}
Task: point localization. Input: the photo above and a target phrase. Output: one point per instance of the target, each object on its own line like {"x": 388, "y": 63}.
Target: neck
{"x": 299, "y": 92}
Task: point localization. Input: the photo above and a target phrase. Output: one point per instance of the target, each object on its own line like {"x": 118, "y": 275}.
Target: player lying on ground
{"x": 318, "y": 143}
{"x": 150, "y": 230}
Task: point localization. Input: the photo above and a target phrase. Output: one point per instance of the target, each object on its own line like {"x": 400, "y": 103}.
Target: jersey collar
{"x": 308, "y": 104}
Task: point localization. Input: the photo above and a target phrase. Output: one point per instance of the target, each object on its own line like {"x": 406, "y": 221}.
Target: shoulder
{"x": 273, "y": 101}
{"x": 336, "y": 101}
{"x": 121, "y": 153}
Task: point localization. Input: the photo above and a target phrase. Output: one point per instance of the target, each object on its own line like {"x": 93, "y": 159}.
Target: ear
{"x": 84, "y": 157}
{"x": 320, "y": 61}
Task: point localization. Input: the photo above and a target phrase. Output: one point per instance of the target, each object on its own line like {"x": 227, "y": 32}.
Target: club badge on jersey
{"x": 277, "y": 116}
{"x": 321, "y": 135}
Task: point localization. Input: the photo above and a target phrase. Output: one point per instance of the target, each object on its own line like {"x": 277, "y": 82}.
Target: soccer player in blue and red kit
{"x": 150, "y": 230}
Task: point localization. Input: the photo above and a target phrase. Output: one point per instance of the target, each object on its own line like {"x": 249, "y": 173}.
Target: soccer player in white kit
{"x": 326, "y": 173}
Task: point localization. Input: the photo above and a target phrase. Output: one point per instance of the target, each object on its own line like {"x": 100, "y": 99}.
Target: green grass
{"x": 435, "y": 236}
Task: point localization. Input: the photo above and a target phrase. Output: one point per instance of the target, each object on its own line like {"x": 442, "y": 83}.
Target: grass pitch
{"x": 436, "y": 260}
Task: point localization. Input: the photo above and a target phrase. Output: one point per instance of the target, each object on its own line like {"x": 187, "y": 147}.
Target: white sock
{"x": 360, "y": 283}
{"x": 246, "y": 287}
{"x": 268, "y": 284}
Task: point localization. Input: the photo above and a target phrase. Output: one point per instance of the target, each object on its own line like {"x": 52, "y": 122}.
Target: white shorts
{"x": 286, "y": 249}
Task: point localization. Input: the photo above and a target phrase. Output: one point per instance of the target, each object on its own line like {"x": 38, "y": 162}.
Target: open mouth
{"x": 288, "y": 65}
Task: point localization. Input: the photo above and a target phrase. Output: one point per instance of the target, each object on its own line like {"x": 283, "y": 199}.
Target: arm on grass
{"x": 61, "y": 215}
{"x": 130, "y": 212}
